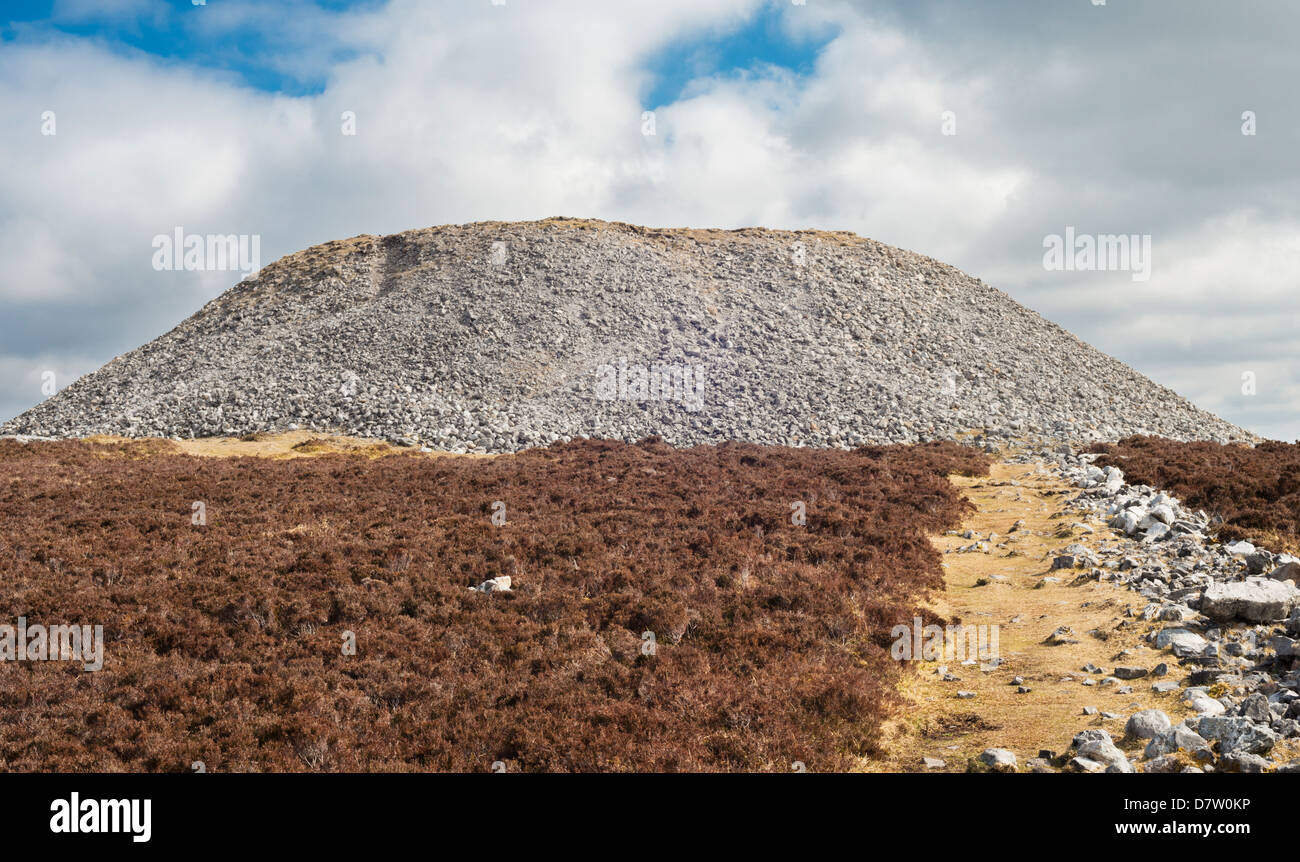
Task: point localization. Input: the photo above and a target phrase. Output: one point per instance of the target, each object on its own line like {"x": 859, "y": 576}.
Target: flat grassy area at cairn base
{"x": 223, "y": 641}
{"x": 1255, "y": 490}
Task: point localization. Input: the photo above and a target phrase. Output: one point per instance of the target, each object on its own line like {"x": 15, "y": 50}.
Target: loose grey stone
{"x": 500, "y": 584}
{"x": 434, "y": 336}
{"x": 1084, "y": 764}
{"x": 1242, "y": 761}
{"x": 1093, "y": 734}
{"x": 1200, "y": 701}
{"x": 1063, "y": 635}
{"x": 1255, "y": 707}
{"x": 1182, "y": 641}
{"x": 1165, "y": 764}
{"x": 1286, "y": 572}
{"x": 1105, "y": 752}
{"x": 1147, "y": 724}
{"x": 1180, "y": 736}
{"x": 1237, "y": 734}
{"x": 1255, "y": 599}
{"x": 998, "y": 760}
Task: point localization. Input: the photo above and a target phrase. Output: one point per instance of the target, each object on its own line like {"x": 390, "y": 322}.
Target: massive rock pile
{"x": 496, "y": 336}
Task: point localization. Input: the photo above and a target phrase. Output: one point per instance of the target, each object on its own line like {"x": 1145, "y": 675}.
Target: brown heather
{"x": 223, "y": 641}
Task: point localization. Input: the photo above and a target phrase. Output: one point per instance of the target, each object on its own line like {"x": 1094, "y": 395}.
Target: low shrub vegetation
{"x": 226, "y": 640}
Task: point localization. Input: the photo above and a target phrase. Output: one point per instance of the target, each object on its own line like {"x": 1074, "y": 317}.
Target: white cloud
{"x": 37, "y": 264}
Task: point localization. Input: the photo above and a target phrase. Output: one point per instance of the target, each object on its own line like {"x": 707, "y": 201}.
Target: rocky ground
{"x": 495, "y": 337}
{"x": 1232, "y": 615}
{"x": 1199, "y": 674}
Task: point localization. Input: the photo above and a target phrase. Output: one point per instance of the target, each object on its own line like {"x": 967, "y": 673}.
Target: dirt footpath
{"x": 1004, "y": 586}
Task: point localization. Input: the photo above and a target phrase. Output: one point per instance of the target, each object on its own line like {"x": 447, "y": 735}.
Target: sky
{"x": 973, "y": 132}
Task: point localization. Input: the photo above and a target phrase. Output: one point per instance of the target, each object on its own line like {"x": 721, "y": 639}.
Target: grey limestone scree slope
{"x": 498, "y": 336}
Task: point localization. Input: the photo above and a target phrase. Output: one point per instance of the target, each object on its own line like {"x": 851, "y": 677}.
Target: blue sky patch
{"x": 761, "y": 41}
{"x": 259, "y": 52}
{"x": 264, "y": 51}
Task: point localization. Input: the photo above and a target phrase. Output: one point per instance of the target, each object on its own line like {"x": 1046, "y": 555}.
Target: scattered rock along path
{"x": 1001, "y": 586}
